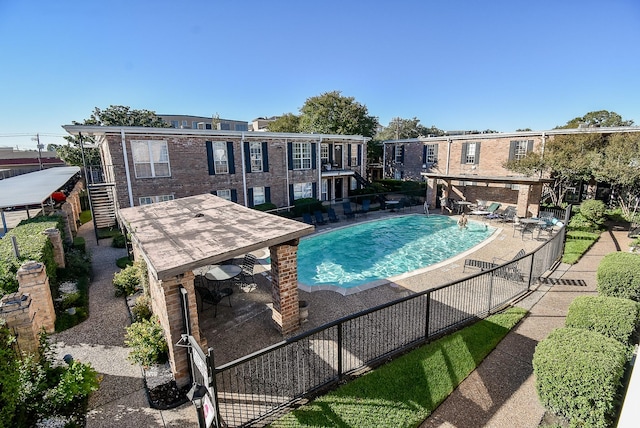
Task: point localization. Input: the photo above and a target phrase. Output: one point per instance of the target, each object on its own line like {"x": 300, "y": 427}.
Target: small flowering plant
{"x": 147, "y": 342}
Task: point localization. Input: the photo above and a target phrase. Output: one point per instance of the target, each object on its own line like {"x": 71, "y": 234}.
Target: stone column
{"x": 284, "y": 286}
{"x": 58, "y": 249}
{"x": 166, "y": 302}
{"x": 33, "y": 280}
{"x": 18, "y": 312}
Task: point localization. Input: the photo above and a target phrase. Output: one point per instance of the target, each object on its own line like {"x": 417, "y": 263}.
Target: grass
{"x": 123, "y": 262}
{"x": 108, "y": 232}
{"x": 85, "y": 217}
{"x": 405, "y": 391}
{"x": 576, "y": 244}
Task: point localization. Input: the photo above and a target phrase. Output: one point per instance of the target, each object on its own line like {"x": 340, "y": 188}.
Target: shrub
{"x": 594, "y": 210}
{"x": 123, "y": 262}
{"x": 76, "y": 382}
{"x": 305, "y": 205}
{"x": 267, "y": 206}
{"x": 610, "y": 316}
{"x": 581, "y": 223}
{"x": 142, "y": 309}
{"x": 579, "y": 375}
{"x": 147, "y": 342}
{"x": 119, "y": 241}
{"x": 79, "y": 244}
{"x": 618, "y": 275}
{"x": 127, "y": 281}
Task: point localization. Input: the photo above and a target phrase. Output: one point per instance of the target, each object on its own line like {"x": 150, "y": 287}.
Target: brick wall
{"x": 33, "y": 280}
{"x": 284, "y": 286}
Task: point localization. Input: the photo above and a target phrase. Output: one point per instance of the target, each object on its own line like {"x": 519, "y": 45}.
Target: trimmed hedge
{"x": 579, "y": 375}
{"x": 33, "y": 244}
{"x": 618, "y": 275}
{"x": 610, "y": 316}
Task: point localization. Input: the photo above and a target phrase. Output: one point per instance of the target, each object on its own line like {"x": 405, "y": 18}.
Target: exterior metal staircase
{"x": 103, "y": 205}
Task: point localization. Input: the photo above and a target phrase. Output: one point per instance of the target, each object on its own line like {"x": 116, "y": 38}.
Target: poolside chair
{"x": 319, "y": 217}
{"x": 484, "y": 265}
{"x": 212, "y": 294}
{"x": 333, "y": 218}
{"x": 366, "y": 204}
{"x": 245, "y": 280}
{"x": 306, "y": 217}
{"x": 348, "y": 213}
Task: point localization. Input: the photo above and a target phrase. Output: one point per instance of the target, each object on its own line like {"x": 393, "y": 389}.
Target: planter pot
{"x": 304, "y": 310}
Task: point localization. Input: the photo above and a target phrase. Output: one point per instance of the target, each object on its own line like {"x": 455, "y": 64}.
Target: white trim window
{"x": 431, "y": 153}
{"x": 259, "y": 196}
{"x": 301, "y": 155}
{"x": 255, "y": 151}
{"x": 324, "y": 189}
{"x": 146, "y": 200}
{"x": 324, "y": 153}
{"x": 150, "y": 158}
{"x": 302, "y": 190}
{"x": 224, "y": 194}
{"x": 471, "y": 153}
{"x": 220, "y": 157}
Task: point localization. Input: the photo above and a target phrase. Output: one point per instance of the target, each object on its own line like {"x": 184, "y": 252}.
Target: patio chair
{"x": 319, "y": 217}
{"x": 212, "y": 295}
{"x": 484, "y": 265}
{"x": 245, "y": 280}
{"x": 333, "y": 218}
{"x": 348, "y": 212}
{"x": 306, "y": 217}
{"x": 366, "y": 205}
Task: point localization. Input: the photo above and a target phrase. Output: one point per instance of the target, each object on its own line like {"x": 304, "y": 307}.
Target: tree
{"x": 619, "y": 164}
{"x": 601, "y": 118}
{"x": 288, "y": 122}
{"x": 399, "y": 129}
{"x": 114, "y": 115}
{"x": 332, "y": 113}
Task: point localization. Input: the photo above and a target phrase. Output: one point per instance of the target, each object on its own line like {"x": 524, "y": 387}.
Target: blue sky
{"x": 455, "y": 64}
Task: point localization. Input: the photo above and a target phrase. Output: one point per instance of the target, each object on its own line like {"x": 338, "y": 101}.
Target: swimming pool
{"x": 367, "y": 252}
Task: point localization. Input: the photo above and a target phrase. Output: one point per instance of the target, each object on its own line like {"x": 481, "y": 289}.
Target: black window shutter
{"x": 291, "y": 196}
{"x": 401, "y": 154}
{"x": 477, "y": 159}
{"x": 529, "y": 146}
{"x": 314, "y": 190}
{"x": 267, "y": 194}
{"x": 265, "y": 157}
{"x": 212, "y": 170}
{"x": 234, "y": 195}
{"x": 247, "y": 157}
{"x": 348, "y": 154}
{"x": 314, "y": 155}
{"x": 250, "y": 197}
{"x": 232, "y": 166}
{"x": 512, "y": 150}
{"x": 393, "y": 153}
{"x": 290, "y": 155}
{"x": 331, "y": 153}
{"x": 463, "y": 156}
{"x": 424, "y": 154}
{"x": 359, "y": 154}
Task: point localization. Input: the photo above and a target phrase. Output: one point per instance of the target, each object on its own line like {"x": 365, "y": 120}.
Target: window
{"x": 150, "y": 159}
{"x": 194, "y": 125}
{"x": 302, "y": 190}
{"x": 224, "y": 126}
{"x": 258, "y": 196}
{"x": 430, "y": 153}
{"x": 399, "y": 154}
{"x": 301, "y": 155}
{"x": 324, "y": 190}
{"x": 184, "y": 124}
{"x": 470, "y": 153}
{"x": 224, "y": 194}
{"x": 353, "y": 183}
{"x": 146, "y": 200}
{"x": 220, "y": 159}
{"x": 174, "y": 123}
{"x": 241, "y": 127}
{"x": 519, "y": 149}
{"x": 255, "y": 151}
{"x": 353, "y": 152}
{"x": 324, "y": 153}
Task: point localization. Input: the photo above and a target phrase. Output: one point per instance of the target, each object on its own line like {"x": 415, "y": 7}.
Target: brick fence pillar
{"x": 166, "y": 302}
{"x": 33, "y": 280}
{"x": 18, "y": 312}
{"x": 71, "y": 228}
{"x": 284, "y": 286}
{"x": 58, "y": 249}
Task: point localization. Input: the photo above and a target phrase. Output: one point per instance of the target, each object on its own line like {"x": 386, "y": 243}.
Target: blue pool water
{"x": 366, "y": 252}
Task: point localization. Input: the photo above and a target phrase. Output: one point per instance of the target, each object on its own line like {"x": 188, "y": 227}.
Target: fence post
{"x": 428, "y": 312}
{"x": 339, "y": 351}
{"x": 530, "y": 276}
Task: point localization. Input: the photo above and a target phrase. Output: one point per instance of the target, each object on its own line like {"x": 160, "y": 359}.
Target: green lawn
{"x": 404, "y": 392}
{"x": 576, "y": 244}
{"x": 85, "y": 217}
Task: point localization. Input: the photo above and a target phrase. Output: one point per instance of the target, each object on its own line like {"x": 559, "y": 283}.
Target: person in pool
{"x": 462, "y": 221}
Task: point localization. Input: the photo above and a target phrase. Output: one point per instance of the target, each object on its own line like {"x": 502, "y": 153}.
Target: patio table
{"x": 222, "y": 272}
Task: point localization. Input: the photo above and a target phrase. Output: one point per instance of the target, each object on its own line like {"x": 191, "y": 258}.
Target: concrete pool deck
{"x": 247, "y": 326}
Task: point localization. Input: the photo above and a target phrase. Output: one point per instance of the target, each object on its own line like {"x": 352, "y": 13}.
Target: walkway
{"x": 501, "y": 392}
{"x": 121, "y": 400}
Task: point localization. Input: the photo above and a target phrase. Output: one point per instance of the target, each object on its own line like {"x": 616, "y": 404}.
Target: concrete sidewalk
{"x": 501, "y": 391}
{"x": 121, "y": 400}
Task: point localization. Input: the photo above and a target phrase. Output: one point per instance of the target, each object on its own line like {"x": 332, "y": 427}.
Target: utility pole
{"x": 40, "y": 147}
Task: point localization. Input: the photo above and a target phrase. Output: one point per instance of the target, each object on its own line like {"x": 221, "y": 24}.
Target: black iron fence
{"x": 254, "y": 389}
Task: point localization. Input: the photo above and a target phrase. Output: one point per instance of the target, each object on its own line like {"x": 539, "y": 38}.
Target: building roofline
{"x": 140, "y": 130}
{"x": 563, "y": 131}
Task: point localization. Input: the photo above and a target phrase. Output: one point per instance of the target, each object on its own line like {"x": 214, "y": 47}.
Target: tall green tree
{"x": 114, "y": 115}
{"x": 600, "y": 118}
{"x": 332, "y": 113}
{"x": 288, "y": 122}
{"x": 400, "y": 128}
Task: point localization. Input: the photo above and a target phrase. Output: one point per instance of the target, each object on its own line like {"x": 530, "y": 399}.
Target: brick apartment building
{"x": 469, "y": 166}
{"x": 147, "y": 165}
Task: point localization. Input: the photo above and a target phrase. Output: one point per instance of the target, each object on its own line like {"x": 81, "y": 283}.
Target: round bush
{"x": 127, "y": 281}
{"x": 594, "y": 211}
{"x": 579, "y": 375}
{"x": 610, "y": 316}
{"x": 147, "y": 342}
{"x": 618, "y": 275}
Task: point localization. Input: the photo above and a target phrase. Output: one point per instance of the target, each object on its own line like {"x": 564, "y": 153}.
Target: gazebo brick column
{"x": 33, "y": 280}
{"x": 166, "y": 303}
{"x": 18, "y": 312}
{"x": 284, "y": 286}
{"x": 58, "y": 250}
{"x": 528, "y": 197}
